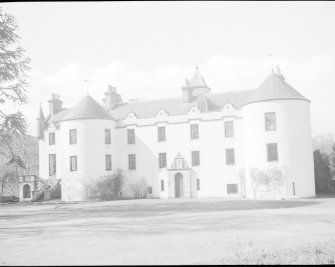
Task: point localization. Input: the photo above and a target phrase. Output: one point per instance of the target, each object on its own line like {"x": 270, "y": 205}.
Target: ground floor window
{"x": 149, "y": 190}
{"x": 52, "y": 164}
{"x": 198, "y": 184}
{"x": 132, "y": 161}
{"x": 108, "y": 161}
{"x": 232, "y": 189}
{"x": 162, "y": 185}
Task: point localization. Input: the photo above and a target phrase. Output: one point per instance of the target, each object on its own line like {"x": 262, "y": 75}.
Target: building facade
{"x": 254, "y": 144}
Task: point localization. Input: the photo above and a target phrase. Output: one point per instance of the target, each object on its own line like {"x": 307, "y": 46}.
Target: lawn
{"x": 193, "y": 231}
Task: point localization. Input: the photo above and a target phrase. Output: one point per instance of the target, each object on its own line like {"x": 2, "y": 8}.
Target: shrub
{"x": 106, "y": 187}
{"x": 139, "y": 188}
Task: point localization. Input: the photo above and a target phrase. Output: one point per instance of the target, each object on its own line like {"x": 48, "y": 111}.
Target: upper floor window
{"x": 270, "y": 121}
{"x": 195, "y": 158}
{"x": 232, "y": 189}
{"x": 73, "y": 163}
{"x": 108, "y": 162}
{"x": 194, "y": 128}
{"x": 73, "y": 136}
{"x": 229, "y": 128}
{"x": 107, "y": 136}
{"x": 52, "y": 138}
{"x": 131, "y": 136}
{"x": 132, "y": 161}
{"x": 162, "y": 160}
{"x": 230, "y": 156}
{"x": 52, "y": 164}
{"x": 272, "y": 152}
{"x": 161, "y": 134}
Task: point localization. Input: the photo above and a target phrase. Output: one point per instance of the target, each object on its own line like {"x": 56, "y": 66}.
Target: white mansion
{"x": 255, "y": 143}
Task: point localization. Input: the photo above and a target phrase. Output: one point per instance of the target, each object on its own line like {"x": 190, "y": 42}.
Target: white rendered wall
{"x": 293, "y": 138}
{"x": 90, "y": 151}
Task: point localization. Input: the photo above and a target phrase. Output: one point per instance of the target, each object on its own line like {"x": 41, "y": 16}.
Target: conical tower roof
{"x": 197, "y": 80}
{"x": 274, "y": 87}
{"x": 40, "y": 115}
{"x": 87, "y": 108}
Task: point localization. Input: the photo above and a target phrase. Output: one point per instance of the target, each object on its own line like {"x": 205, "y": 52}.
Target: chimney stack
{"x": 55, "y": 104}
{"x": 111, "y": 98}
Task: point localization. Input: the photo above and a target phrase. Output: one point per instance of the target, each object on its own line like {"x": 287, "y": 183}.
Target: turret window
{"x": 229, "y": 128}
{"x": 107, "y": 136}
{"x": 73, "y": 136}
{"x": 132, "y": 161}
{"x": 131, "y": 136}
{"x": 52, "y": 138}
{"x": 272, "y": 152}
{"x": 194, "y": 128}
{"x": 270, "y": 121}
{"x": 73, "y": 163}
{"x": 108, "y": 162}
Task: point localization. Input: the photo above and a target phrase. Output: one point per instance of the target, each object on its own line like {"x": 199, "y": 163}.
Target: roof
{"x": 40, "y": 115}
{"x": 274, "y": 87}
{"x": 176, "y": 106}
{"x": 197, "y": 80}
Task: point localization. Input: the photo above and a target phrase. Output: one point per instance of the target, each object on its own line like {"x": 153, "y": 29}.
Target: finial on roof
{"x": 196, "y": 68}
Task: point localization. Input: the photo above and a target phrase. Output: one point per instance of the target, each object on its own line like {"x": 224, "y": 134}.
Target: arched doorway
{"x": 26, "y": 191}
{"x": 178, "y": 185}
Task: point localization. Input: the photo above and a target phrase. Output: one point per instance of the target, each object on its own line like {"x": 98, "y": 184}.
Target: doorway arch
{"x": 178, "y": 185}
{"x": 26, "y": 191}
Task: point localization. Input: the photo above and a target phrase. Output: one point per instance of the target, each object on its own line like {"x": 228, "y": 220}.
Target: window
{"x": 195, "y": 158}
{"x": 161, "y": 134}
{"x": 232, "y": 189}
{"x": 270, "y": 121}
{"x": 198, "y": 184}
{"x": 51, "y": 138}
{"x": 272, "y": 152}
{"x": 194, "y": 131}
{"x": 162, "y": 185}
{"x": 162, "y": 160}
{"x": 229, "y": 128}
{"x": 149, "y": 190}
{"x": 132, "y": 161}
{"x": 73, "y": 163}
{"x": 107, "y": 136}
{"x": 131, "y": 136}
{"x": 52, "y": 164}
{"x": 108, "y": 160}
{"x": 73, "y": 136}
{"x": 230, "y": 156}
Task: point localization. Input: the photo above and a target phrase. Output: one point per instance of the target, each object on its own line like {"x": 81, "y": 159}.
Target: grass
{"x": 312, "y": 254}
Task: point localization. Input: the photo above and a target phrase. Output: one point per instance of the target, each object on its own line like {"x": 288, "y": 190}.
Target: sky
{"x": 148, "y": 49}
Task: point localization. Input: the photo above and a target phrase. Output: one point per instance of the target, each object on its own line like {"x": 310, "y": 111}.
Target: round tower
{"x": 87, "y": 137}
{"x": 278, "y": 141}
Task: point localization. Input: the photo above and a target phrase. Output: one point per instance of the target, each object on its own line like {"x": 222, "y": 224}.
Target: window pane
{"x": 162, "y": 185}
{"x": 162, "y": 160}
{"x": 232, "y": 188}
{"x": 161, "y": 134}
{"x": 131, "y": 136}
{"x": 108, "y": 160}
{"x": 107, "y": 136}
{"x": 73, "y": 136}
{"x": 52, "y": 164}
{"x": 229, "y": 128}
{"x": 194, "y": 131}
{"x": 195, "y": 158}
{"x": 272, "y": 152}
{"x": 270, "y": 121}
{"x": 132, "y": 161}
{"x": 230, "y": 156}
